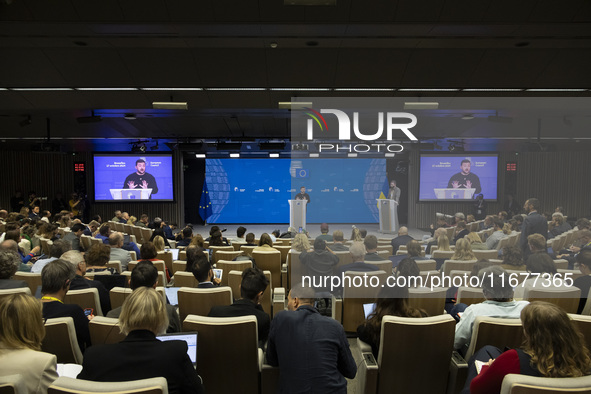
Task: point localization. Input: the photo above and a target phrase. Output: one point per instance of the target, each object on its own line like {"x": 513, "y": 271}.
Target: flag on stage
{"x": 205, "y": 209}
{"x": 385, "y": 190}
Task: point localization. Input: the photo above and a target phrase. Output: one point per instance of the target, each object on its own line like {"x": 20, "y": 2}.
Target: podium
{"x": 297, "y": 213}
{"x": 130, "y": 194}
{"x": 454, "y": 194}
{"x": 388, "y": 212}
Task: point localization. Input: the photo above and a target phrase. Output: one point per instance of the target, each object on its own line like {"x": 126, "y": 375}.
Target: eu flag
{"x": 205, "y": 209}
{"x": 385, "y": 190}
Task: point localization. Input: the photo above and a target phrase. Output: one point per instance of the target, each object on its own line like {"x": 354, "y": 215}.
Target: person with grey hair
{"x": 499, "y": 303}
{"x": 12, "y": 246}
{"x": 559, "y": 225}
{"x": 459, "y": 217}
{"x": 358, "y": 253}
{"x": 9, "y": 264}
{"x": 58, "y": 248}
{"x": 79, "y": 282}
{"x": 56, "y": 278}
{"x": 117, "y": 253}
{"x": 311, "y": 351}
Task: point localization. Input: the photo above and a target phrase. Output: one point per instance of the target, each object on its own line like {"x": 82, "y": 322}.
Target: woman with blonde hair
{"x": 158, "y": 242}
{"x": 463, "y": 251}
{"x": 132, "y": 220}
{"x": 475, "y": 241}
{"x": 356, "y": 235}
{"x": 553, "y": 347}
{"x": 143, "y": 316}
{"x": 443, "y": 243}
{"x": 21, "y": 333}
{"x": 300, "y": 243}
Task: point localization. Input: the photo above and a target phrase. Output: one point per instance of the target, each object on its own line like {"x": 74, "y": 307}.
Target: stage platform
{"x": 313, "y": 229}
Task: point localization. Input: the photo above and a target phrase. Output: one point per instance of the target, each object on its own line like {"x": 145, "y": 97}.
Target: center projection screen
{"x": 258, "y": 190}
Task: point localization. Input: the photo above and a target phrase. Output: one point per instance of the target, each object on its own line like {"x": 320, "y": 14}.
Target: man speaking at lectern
{"x": 465, "y": 179}
{"x": 140, "y": 178}
{"x": 302, "y": 195}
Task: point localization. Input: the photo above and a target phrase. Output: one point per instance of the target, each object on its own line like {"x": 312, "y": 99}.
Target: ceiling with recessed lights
{"x": 89, "y": 70}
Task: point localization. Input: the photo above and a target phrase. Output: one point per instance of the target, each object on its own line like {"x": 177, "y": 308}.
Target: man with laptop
{"x": 146, "y": 275}
{"x": 253, "y": 285}
{"x": 311, "y": 350}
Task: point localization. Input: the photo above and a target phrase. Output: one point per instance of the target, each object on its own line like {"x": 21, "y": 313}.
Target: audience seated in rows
{"x": 414, "y": 250}
{"x": 97, "y": 258}
{"x": 493, "y": 240}
{"x": 118, "y": 254}
{"x": 558, "y": 226}
{"x": 21, "y": 334}
{"x": 252, "y": 286}
{"x": 144, "y": 274}
{"x": 358, "y": 255}
{"x": 140, "y": 355}
{"x": 319, "y": 263}
{"x": 541, "y": 265}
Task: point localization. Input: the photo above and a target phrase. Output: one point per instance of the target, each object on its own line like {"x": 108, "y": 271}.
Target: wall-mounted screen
{"x": 455, "y": 177}
{"x": 125, "y": 176}
{"x": 258, "y": 190}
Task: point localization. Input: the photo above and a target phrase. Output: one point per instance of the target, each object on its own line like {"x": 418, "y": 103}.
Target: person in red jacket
{"x": 553, "y": 347}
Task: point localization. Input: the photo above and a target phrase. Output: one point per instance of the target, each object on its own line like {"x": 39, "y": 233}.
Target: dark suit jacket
{"x": 312, "y": 352}
{"x": 79, "y": 283}
{"x": 12, "y": 284}
{"x": 400, "y": 241}
{"x": 461, "y": 234}
{"x": 244, "y": 307}
{"x": 373, "y": 257}
{"x": 339, "y": 247}
{"x": 141, "y": 356}
{"x": 534, "y": 223}
{"x": 57, "y": 309}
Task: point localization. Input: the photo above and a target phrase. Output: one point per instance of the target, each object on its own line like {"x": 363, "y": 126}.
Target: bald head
{"x": 403, "y": 230}
{"x": 116, "y": 240}
{"x": 10, "y": 245}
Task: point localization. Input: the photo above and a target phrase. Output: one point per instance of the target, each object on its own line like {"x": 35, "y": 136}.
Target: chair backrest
{"x": 387, "y": 248}
{"x": 228, "y": 266}
{"x": 60, "y": 339}
{"x": 247, "y": 249}
{"x": 470, "y": 295}
{"x": 115, "y": 264}
{"x": 486, "y": 254}
{"x": 344, "y": 257}
{"x": 215, "y": 249}
{"x": 561, "y": 264}
{"x": 442, "y": 254}
{"x": 178, "y": 265}
{"x": 64, "y": 385}
{"x": 119, "y": 294}
{"x": 194, "y": 301}
{"x": 503, "y": 242}
{"x": 565, "y": 297}
{"x": 146, "y": 234}
{"x": 385, "y": 265}
{"x": 220, "y": 337}
{"x": 459, "y": 265}
{"x": 426, "y": 265}
{"x": 7, "y": 292}
{"x": 269, "y": 261}
{"x": 105, "y": 330}
{"x": 32, "y": 279}
{"x": 183, "y": 255}
{"x": 45, "y": 245}
{"x": 284, "y": 249}
{"x": 583, "y": 322}
{"x": 227, "y": 255}
{"x": 524, "y": 384}
{"x": 431, "y": 301}
{"x": 166, "y": 256}
{"x": 398, "y": 359}
{"x": 12, "y": 384}
{"x": 495, "y": 331}
{"x": 185, "y": 279}
{"x": 355, "y": 296}
{"x": 85, "y": 298}
{"x": 85, "y": 241}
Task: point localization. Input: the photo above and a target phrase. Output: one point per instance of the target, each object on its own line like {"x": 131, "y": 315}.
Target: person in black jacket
{"x": 140, "y": 355}
{"x": 253, "y": 285}
{"x": 534, "y": 223}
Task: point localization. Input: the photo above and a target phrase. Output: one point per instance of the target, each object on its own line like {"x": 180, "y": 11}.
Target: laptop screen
{"x": 189, "y": 337}
{"x": 368, "y": 309}
{"x": 175, "y": 253}
{"x": 172, "y": 295}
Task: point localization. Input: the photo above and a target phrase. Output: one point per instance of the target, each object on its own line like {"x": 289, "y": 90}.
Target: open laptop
{"x": 189, "y": 337}
{"x": 172, "y": 295}
{"x": 175, "y": 253}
